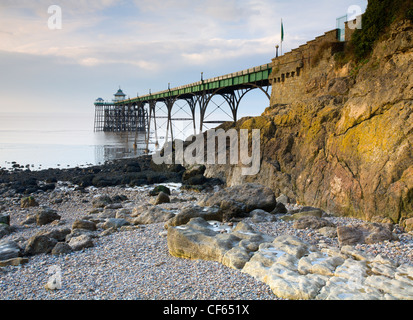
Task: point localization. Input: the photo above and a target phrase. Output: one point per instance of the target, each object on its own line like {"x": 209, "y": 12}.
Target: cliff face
{"x": 345, "y": 143}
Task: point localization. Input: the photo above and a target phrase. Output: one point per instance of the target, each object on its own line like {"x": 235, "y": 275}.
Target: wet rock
{"x": 196, "y": 180}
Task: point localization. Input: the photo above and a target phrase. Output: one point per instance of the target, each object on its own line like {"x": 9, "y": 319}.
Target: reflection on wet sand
{"x": 121, "y": 145}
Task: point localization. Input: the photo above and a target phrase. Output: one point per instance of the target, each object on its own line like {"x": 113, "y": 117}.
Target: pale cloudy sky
{"x": 141, "y": 45}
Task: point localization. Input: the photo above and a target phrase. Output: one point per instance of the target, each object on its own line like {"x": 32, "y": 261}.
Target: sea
{"x": 41, "y": 141}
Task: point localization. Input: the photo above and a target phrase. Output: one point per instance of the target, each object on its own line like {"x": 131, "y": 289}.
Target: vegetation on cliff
{"x": 379, "y": 15}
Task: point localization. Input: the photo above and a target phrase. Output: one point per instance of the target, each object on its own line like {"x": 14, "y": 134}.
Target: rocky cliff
{"x": 344, "y": 144}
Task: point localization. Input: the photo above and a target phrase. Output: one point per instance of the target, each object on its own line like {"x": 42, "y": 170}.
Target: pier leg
{"x": 148, "y": 133}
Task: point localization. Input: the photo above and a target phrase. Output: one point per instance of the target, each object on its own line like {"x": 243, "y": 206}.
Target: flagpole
{"x": 282, "y": 36}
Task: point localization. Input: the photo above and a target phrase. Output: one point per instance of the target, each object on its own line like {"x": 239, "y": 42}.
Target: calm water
{"x": 60, "y": 141}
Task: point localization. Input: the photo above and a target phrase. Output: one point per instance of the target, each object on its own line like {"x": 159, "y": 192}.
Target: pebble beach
{"x": 134, "y": 263}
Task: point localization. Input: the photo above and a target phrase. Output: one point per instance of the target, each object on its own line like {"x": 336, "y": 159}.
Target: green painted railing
{"x": 252, "y": 76}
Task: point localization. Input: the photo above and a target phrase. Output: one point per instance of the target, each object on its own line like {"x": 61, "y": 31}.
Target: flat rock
{"x": 199, "y": 239}
{"x": 291, "y": 267}
{"x": 14, "y": 262}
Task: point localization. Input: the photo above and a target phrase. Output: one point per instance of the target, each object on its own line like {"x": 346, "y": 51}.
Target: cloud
{"x": 39, "y": 7}
{"x": 142, "y": 44}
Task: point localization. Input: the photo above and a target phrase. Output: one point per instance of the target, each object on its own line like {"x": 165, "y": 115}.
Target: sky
{"x": 143, "y": 45}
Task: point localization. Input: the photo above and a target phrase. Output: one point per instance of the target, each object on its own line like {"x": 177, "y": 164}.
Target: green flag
{"x": 282, "y": 31}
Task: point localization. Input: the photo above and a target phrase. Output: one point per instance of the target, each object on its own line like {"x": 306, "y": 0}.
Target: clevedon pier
{"x": 139, "y": 114}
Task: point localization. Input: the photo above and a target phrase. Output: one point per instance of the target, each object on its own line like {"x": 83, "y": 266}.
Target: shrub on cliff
{"x": 379, "y": 15}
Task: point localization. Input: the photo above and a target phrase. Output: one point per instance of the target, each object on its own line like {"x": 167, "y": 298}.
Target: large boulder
{"x": 253, "y": 196}
{"x": 46, "y": 215}
{"x": 365, "y": 233}
{"x": 39, "y": 244}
